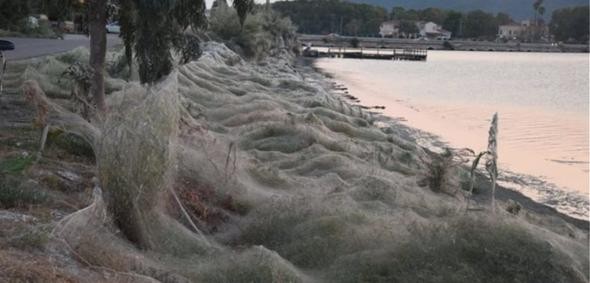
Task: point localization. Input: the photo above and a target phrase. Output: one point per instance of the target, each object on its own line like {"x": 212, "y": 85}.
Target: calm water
{"x": 542, "y": 101}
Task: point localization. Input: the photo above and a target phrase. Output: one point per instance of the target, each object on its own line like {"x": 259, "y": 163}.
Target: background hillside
{"x": 518, "y": 9}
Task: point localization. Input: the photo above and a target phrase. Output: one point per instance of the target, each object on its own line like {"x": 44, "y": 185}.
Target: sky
{"x": 210, "y": 2}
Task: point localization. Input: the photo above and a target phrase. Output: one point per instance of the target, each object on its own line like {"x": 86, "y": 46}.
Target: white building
{"x": 425, "y": 30}
{"x": 389, "y": 29}
{"x": 511, "y": 31}
{"x": 432, "y": 30}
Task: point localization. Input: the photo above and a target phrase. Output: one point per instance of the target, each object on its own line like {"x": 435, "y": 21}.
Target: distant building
{"x": 433, "y": 31}
{"x": 526, "y": 23}
{"x": 512, "y": 31}
{"x": 389, "y": 29}
{"x": 425, "y": 29}
{"x": 525, "y": 31}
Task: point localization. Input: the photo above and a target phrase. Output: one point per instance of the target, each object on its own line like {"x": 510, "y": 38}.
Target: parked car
{"x": 68, "y": 26}
{"x": 113, "y": 27}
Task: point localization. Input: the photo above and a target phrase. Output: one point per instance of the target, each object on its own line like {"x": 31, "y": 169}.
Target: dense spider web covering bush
{"x": 233, "y": 171}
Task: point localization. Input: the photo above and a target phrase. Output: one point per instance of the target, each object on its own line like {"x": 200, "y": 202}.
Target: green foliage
{"x": 408, "y": 27}
{"x": 397, "y": 13}
{"x": 12, "y": 13}
{"x": 334, "y": 16}
{"x": 154, "y": 35}
{"x": 190, "y": 13}
{"x": 479, "y": 24}
{"x": 466, "y": 250}
{"x": 400, "y": 13}
{"x": 473, "y": 24}
{"x": 71, "y": 143}
{"x": 31, "y": 239}
{"x": 263, "y": 33}
{"x": 13, "y": 20}
{"x": 153, "y": 28}
{"x": 433, "y": 14}
{"x": 538, "y": 7}
{"x": 503, "y": 19}
{"x": 190, "y": 48}
{"x": 15, "y": 165}
{"x": 13, "y": 193}
{"x": 127, "y": 18}
{"x": 453, "y": 23}
{"x": 571, "y": 24}
{"x": 243, "y": 7}
{"x": 331, "y": 16}
{"x": 61, "y": 10}
{"x": 224, "y": 22}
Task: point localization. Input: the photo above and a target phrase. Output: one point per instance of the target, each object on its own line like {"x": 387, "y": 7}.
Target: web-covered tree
{"x": 97, "y": 18}
{"x": 243, "y": 7}
{"x": 151, "y": 28}
{"x": 219, "y": 4}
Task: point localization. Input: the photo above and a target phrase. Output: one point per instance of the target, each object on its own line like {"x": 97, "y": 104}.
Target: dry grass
{"x": 442, "y": 172}
{"x": 16, "y": 266}
{"x": 465, "y": 250}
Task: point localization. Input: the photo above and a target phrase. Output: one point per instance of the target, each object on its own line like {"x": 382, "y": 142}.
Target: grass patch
{"x": 13, "y": 193}
{"x": 72, "y": 144}
{"x": 253, "y": 265}
{"x": 15, "y": 165}
{"x": 31, "y": 239}
{"x": 303, "y": 233}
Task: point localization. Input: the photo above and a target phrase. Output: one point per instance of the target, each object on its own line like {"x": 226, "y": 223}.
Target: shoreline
{"x": 283, "y": 180}
{"x": 503, "y": 193}
{"x": 450, "y": 45}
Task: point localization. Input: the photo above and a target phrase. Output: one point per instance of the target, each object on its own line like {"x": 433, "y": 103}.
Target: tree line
{"x": 571, "y": 24}
{"x": 346, "y": 18}
{"x": 333, "y": 16}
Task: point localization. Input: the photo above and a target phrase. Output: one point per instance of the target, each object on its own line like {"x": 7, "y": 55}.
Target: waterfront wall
{"x": 462, "y": 45}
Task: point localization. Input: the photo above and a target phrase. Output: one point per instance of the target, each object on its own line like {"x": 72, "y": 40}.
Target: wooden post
{"x": 2, "y": 69}
{"x": 42, "y": 142}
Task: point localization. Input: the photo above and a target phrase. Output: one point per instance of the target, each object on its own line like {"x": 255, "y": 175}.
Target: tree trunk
{"x": 97, "y": 18}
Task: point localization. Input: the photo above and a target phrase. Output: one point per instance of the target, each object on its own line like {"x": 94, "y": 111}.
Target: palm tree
{"x": 539, "y": 10}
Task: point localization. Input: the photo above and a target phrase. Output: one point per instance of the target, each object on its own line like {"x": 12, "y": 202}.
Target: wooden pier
{"x": 370, "y": 53}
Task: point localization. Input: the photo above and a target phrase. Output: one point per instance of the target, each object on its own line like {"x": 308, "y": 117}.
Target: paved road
{"x": 33, "y": 47}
